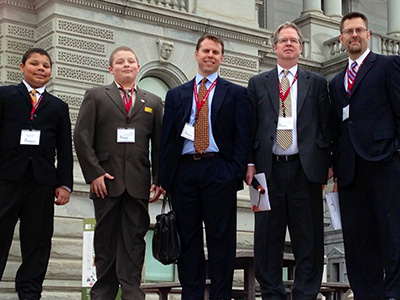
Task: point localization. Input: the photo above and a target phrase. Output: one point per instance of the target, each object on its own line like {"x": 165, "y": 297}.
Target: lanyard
{"x": 199, "y": 104}
{"x": 282, "y": 95}
{"x": 127, "y": 103}
{"x": 35, "y": 106}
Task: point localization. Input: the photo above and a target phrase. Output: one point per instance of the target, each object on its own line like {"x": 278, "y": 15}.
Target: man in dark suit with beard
{"x": 366, "y": 106}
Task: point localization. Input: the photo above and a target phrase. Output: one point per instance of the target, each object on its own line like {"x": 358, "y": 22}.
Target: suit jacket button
{"x": 350, "y": 122}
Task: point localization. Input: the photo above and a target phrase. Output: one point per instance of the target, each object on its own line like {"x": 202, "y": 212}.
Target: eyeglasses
{"x": 358, "y": 31}
{"x": 285, "y": 40}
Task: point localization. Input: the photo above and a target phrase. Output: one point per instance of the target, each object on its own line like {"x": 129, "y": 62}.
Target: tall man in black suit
{"x": 366, "y": 106}
{"x": 291, "y": 146}
{"x": 204, "y": 177}
{"x": 33, "y": 132}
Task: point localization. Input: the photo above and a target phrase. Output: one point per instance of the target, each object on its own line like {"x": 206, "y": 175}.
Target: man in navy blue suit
{"x": 202, "y": 166}
{"x": 366, "y": 102}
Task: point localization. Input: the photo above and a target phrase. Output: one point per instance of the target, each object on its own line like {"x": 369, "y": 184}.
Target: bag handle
{"x": 167, "y": 198}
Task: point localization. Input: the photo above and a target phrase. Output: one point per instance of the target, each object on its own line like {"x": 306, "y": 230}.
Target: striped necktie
{"x": 351, "y": 76}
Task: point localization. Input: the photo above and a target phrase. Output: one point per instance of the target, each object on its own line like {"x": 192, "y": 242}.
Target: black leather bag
{"x": 166, "y": 242}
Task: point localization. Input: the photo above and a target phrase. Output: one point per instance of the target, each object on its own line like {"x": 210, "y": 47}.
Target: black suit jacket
{"x": 373, "y": 128}
{"x": 313, "y": 122}
{"x": 230, "y": 117}
{"x": 52, "y": 119}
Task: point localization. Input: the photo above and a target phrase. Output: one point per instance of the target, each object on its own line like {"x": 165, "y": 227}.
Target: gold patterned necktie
{"x": 201, "y": 136}
{"x": 32, "y": 93}
{"x": 284, "y": 137}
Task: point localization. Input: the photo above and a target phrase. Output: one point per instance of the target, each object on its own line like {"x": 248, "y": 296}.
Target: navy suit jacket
{"x": 314, "y": 131}
{"x": 373, "y": 127}
{"x": 52, "y": 119}
{"x": 230, "y": 117}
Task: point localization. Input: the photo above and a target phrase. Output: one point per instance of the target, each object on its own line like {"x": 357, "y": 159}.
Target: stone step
{"x": 64, "y": 274}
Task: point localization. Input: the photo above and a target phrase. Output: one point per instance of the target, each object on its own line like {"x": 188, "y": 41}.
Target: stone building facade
{"x": 81, "y": 34}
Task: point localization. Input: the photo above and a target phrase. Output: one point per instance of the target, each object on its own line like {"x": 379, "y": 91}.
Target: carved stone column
{"x": 311, "y": 6}
{"x": 333, "y": 8}
{"x": 393, "y": 20}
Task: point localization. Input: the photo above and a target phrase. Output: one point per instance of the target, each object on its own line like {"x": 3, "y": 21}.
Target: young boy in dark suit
{"x": 35, "y": 129}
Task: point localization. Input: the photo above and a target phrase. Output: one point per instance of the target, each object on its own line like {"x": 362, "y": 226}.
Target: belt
{"x": 285, "y": 157}
{"x": 198, "y": 156}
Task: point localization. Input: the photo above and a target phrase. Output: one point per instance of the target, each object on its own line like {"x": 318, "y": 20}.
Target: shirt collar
{"x": 361, "y": 58}
{"x": 121, "y": 87}
{"x": 211, "y": 78}
{"x": 292, "y": 70}
{"x": 39, "y": 90}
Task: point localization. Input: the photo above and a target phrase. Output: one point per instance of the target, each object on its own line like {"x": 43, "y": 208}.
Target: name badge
{"x": 125, "y": 135}
{"x": 30, "y": 137}
{"x": 188, "y": 132}
{"x": 346, "y": 112}
{"x": 285, "y": 123}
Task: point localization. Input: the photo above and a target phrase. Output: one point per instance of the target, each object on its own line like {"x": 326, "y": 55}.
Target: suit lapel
{"x": 27, "y": 98}
{"x": 113, "y": 93}
{"x": 303, "y": 84}
{"x": 272, "y": 87}
{"x": 139, "y": 102}
{"x": 219, "y": 96}
{"x": 44, "y": 101}
{"x": 25, "y": 95}
{"x": 186, "y": 96}
{"x": 366, "y": 66}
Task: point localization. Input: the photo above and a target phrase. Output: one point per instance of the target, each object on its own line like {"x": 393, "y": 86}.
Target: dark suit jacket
{"x": 313, "y": 122}
{"x": 101, "y": 114}
{"x": 52, "y": 119}
{"x": 373, "y": 128}
{"x": 230, "y": 117}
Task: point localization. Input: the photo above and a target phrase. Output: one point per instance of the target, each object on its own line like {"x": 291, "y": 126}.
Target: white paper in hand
{"x": 259, "y": 202}
{"x": 332, "y": 199}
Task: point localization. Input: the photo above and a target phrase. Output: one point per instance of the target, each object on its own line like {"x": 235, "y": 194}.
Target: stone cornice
{"x": 178, "y": 19}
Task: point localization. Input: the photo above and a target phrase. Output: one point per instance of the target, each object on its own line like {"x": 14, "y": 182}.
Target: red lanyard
{"x": 282, "y": 95}
{"x": 35, "y": 106}
{"x": 199, "y": 104}
{"x": 127, "y": 103}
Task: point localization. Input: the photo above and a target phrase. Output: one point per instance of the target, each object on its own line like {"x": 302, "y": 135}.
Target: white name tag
{"x": 346, "y": 112}
{"x": 188, "y": 132}
{"x": 125, "y": 135}
{"x": 30, "y": 137}
{"x": 285, "y": 123}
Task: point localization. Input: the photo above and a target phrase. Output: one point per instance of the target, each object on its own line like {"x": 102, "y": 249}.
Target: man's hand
{"x": 62, "y": 196}
{"x": 335, "y": 187}
{"x": 157, "y": 192}
{"x": 251, "y": 171}
{"x": 330, "y": 173}
{"x": 98, "y": 186}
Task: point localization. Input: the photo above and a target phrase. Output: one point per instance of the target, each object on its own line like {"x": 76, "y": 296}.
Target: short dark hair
{"x": 210, "y": 36}
{"x": 288, "y": 25}
{"x": 31, "y": 51}
{"x": 122, "y": 48}
{"x": 353, "y": 15}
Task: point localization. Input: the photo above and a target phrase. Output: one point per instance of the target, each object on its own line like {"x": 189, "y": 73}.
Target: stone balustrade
{"x": 170, "y": 4}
